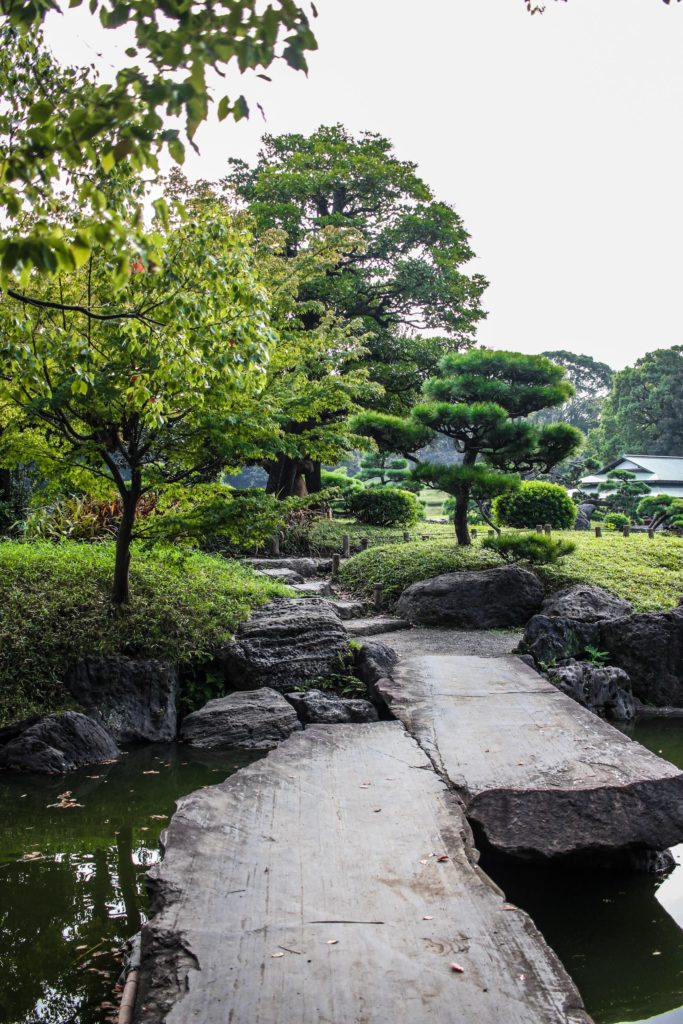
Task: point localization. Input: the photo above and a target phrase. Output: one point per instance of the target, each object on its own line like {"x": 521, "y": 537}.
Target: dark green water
{"x": 72, "y": 878}
{"x": 620, "y": 935}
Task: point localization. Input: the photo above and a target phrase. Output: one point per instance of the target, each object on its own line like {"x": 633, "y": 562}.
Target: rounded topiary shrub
{"x": 617, "y": 520}
{"x": 384, "y": 506}
{"x": 535, "y": 502}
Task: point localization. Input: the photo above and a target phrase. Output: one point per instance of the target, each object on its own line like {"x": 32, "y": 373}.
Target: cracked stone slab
{"x": 375, "y": 625}
{"x": 538, "y": 773}
{"x": 306, "y": 889}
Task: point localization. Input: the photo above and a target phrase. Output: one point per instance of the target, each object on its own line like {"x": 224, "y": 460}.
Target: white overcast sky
{"x": 558, "y": 138}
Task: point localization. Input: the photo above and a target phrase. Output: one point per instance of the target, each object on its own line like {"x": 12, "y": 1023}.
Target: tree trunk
{"x": 6, "y": 485}
{"x": 120, "y": 591}
{"x": 293, "y": 478}
{"x": 462, "y": 533}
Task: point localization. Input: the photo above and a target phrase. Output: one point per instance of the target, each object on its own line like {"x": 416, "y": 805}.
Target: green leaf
{"x": 40, "y": 112}
{"x": 108, "y": 161}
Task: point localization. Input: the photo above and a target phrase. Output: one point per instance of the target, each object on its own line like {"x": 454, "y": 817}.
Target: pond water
{"x": 72, "y": 877}
{"x": 72, "y": 891}
{"x": 619, "y": 934}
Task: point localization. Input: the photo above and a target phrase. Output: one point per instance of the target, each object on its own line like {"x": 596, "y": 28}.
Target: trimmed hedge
{"x": 55, "y": 608}
{"x": 535, "y": 502}
{"x": 384, "y": 506}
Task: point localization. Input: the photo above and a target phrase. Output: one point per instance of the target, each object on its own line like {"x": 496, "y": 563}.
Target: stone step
{"x": 539, "y": 774}
{"x": 334, "y": 881}
{"x": 306, "y": 567}
{"x": 314, "y": 588}
{"x": 283, "y": 575}
{"x": 372, "y": 626}
{"x": 349, "y": 609}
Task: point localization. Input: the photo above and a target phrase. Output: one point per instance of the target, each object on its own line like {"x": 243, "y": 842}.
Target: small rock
{"x": 649, "y": 648}
{"x": 56, "y": 744}
{"x": 372, "y": 626}
{"x": 314, "y": 588}
{"x": 349, "y": 609}
{"x": 282, "y": 575}
{"x": 317, "y": 707}
{"x": 252, "y": 719}
{"x": 605, "y": 690}
{"x": 550, "y": 639}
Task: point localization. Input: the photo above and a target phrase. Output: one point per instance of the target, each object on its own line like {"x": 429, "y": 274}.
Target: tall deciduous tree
{"x": 401, "y": 275}
{"x": 643, "y": 414}
{"x": 143, "y": 402}
{"x": 591, "y": 381}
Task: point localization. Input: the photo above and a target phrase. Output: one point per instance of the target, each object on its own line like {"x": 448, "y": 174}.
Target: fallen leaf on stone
{"x": 332, "y": 942}
{"x": 274, "y": 956}
{"x": 377, "y": 809}
{"x": 457, "y": 968}
{"x": 365, "y": 785}
{"x": 424, "y": 862}
{"x": 442, "y": 858}
{"x": 428, "y": 917}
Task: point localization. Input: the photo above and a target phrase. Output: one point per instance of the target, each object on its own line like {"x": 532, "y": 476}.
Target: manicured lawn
{"x": 55, "y": 608}
{"x": 649, "y": 573}
{"x": 325, "y": 536}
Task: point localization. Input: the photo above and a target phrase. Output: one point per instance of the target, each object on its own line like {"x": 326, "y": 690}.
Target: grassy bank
{"x": 55, "y": 608}
{"x": 325, "y": 536}
{"x": 649, "y": 573}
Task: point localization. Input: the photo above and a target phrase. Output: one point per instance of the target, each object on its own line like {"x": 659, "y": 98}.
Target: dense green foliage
{"x": 325, "y": 537}
{"x": 535, "y": 503}
{"x": 663, "y": 511}
{"x": 55, "y": 608}
{"x": 384, "y": 506}
{"x": 616, "y": 520}
{"x": 591, "y": 382}
{"x": 532, "y": 548}
{"x": 643, "y": 413}
{"x": 62, "y": 128}
{"x": 622, "y": 492}
{"x": 649, "y": 573}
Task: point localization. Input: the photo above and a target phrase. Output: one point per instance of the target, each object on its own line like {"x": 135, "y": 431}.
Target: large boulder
{"x": 549, "y": 639}
{"x": 486, "y": 599}
{"x": 603, "y": 689}
{"x": 55, "y": 744}
{"x": 648, "y": 646}
{"x": 134, "y": 699}
{"x": 586, "y": 603}
{"x": 287, "y": 642}
{"x": 314, "y": 706}
{"x": 252, "y": 719}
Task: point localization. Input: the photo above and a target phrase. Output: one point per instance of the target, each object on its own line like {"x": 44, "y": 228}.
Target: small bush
{"x": 617, "y": 520}
{"x": 533, "y": 548}
{"x": 535, "y": 502}
{"x": 384, "y": 506}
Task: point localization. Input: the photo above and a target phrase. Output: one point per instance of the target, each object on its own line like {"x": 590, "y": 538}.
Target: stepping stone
{"x": 283, "y": 575}
{"x": 306, "y": 567}
{"x": 334, "y": 881}
{"x": 349, "y": 609}
{"x": 314, "y": 588}
{"x": 371, "y": 626}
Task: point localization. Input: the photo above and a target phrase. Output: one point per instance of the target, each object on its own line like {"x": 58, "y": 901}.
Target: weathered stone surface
{"x": 553, "y": 638}
{"x": 285, "y": 643}
{"x": 55, "y": 744}
{"x": 586, "y": 603}
{"x": 487, "y": 599}
{"x": 134, "y": 699}
{"x": 649, "y": 647}
{"x": 606, "y": 690}
{"x": 314, "y": 706}
{"x": 314, "y": 588}
{"x": 253, "y": 719}
{"x": 331, "y": 838}
{"x": 373, "y": 661}
{"x": 283, "y": 575}
{"x": 373, "y": 626}
{"x": 539, "y": 775}
{"x": 305, "y": 567}
{"x": 349, "y": 609}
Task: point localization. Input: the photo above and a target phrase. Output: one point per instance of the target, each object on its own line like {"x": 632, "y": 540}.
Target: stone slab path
{"x": 539, "y": 774}
{"x": 334, "y": 883}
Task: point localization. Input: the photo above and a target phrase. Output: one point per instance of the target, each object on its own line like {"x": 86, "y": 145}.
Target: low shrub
{"x": 532, "y": 548}
{"x": 617, "y": 520}
{"x": 535, "y": 502}
{"x": 396, "y": 566}
{"x": 55, "y": 608}
{"x": 384, "y": 506}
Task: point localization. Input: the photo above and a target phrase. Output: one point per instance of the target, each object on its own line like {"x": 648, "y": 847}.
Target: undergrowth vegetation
{"x": 649, "y": 573}
{"x": 55, "y": 607}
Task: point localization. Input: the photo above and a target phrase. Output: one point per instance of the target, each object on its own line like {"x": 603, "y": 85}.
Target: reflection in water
{"x": 72, "y": 879}
{"x": 619, "y": 934}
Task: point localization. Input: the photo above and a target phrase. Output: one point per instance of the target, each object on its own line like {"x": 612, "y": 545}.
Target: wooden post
{"x": 651, "y": 533}
{"x": 335, "y": 564}
{"x": 377, "y": 595}
{"x": 548, "y": 529}
{"x": 364, "y": 543}
{"x": 598, "y": 531}
{"x": 473, "y": 531}
{"x": 329, "y": 513}
{"x": 492, "y": 533}
{"x": 539, "y": 528}
{"x": 424, "y": 536}
{"x": 626, "y": 531}
{"x": 275, "y": 544}
{"x": 406, "y": 537}
{"x": 346, "y": 546}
